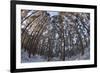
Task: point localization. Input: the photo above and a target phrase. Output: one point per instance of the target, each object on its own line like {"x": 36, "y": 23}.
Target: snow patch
{"x": 36, "y": 58}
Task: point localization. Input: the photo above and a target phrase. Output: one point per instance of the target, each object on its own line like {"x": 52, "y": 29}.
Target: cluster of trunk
{"x": 64, "y": 35}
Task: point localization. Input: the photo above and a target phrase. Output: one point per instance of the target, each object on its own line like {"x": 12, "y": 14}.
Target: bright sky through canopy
{"x": 52, "y": 13}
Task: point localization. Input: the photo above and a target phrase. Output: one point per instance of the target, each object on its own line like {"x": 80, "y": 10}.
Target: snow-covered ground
{"x": 37, "y": 58}
{"x": 25, "y": 57}
{"x": 86, "y": 56}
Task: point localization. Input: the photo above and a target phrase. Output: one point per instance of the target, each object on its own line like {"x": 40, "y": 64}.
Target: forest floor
{"x": 25, "y": 57}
